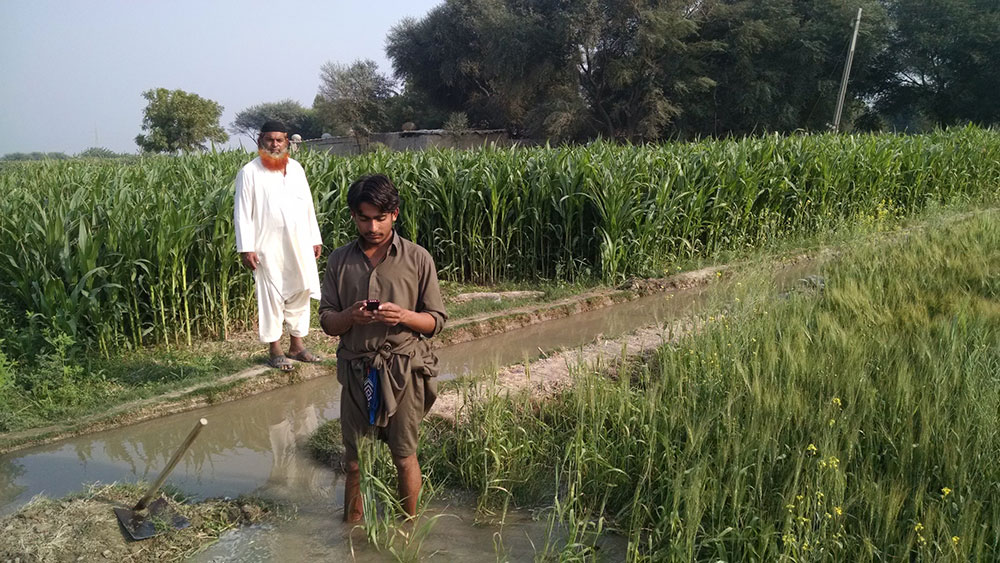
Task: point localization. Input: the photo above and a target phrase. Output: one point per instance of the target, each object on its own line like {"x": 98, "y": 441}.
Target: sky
{"x": 73, "y": 71}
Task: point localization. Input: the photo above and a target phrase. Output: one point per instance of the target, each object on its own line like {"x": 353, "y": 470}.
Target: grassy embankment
{"x": 119, "y": 280}
{"x": 853, "y": 423}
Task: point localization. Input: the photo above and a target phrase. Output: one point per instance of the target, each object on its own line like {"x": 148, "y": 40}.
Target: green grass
{"x": 386, "y": 524}
{"x": 856, "y": 423}
{"x": 326, "y": 444}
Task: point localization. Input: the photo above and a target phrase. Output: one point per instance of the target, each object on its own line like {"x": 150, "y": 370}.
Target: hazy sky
{"x": 73, "y": 72}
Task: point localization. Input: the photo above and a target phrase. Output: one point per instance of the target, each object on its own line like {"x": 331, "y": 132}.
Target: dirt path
{"x": 549, "y": 375}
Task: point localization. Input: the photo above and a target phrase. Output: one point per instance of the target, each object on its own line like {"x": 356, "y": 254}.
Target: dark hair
{"x": 377, "y": 190}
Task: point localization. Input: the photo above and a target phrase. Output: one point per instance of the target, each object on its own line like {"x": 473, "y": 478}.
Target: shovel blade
{"x": 157, "y": 518}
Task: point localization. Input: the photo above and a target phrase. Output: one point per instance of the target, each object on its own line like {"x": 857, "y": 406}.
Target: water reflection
{"x": 248, "y": 445}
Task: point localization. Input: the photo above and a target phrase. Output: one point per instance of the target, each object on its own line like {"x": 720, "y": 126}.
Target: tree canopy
{"x": 645, "y": 70}
{"x": 941, "y": 61}
{"x": 98, "y": 152}
{"x": 353, "y": 97}
{"x": 303, "y": 121}
{"x": 653, "y": 69}
{"x": 175, "y": 120}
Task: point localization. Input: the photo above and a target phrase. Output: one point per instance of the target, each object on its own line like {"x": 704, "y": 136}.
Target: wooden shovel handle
{"x": 170, "y": 466}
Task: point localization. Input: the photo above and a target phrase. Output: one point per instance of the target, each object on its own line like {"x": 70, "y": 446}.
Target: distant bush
{"x": 34, "y": 156}
{"x": 99, "y": 152}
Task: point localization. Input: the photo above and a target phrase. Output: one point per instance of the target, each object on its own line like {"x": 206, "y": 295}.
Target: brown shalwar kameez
{"x": 406, "y": 365}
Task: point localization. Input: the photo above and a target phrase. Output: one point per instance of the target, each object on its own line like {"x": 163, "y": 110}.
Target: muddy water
{"x": 255, "y": 445}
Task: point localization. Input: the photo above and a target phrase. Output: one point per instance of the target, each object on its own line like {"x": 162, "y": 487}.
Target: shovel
{"x": 145, "y": 519}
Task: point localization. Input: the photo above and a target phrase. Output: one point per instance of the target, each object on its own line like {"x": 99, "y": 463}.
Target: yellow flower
{"x": 811, "y": 449}
{"x": 945, "y": 492}
{"x": 832, "y": 421}
{"x": 836, "y": 401}
{"x": 918, "y": 527}
{"x": 838, "y": 510}
{"x": 954, "y": 540}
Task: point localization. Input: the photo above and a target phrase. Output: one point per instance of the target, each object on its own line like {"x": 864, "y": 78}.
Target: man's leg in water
{"x": 353, "y": 509}
{"x": 408, "y": 471}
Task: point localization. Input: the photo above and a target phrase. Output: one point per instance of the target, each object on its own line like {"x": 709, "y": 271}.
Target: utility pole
{"x": 847, "y": 72}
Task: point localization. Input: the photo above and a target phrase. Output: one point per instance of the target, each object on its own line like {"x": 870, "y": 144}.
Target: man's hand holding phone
{"x": 390, "y": 314}
{"x": 364, "y": 312}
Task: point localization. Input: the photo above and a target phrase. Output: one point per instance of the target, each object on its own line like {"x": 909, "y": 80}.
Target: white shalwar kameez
{"x": 274, "y": 217}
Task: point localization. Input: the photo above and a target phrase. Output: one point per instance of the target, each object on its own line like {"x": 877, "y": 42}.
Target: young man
{"x": 381, "y": 296}
{"x": 278, "y": 238}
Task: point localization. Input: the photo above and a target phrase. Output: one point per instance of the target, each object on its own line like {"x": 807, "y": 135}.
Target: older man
{"x": 278, "y": 238}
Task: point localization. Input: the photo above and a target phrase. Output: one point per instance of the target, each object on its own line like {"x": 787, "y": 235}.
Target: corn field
{"x": 141, "y": 252}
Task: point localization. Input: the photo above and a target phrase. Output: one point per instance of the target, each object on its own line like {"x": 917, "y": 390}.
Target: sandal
{"x": 281, "y": 363}
{"x": 307, "y": 357}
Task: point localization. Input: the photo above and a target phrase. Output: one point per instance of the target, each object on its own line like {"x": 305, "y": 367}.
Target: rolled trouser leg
{"x": 270, "y": 309}
{"x": 296, "y": 314}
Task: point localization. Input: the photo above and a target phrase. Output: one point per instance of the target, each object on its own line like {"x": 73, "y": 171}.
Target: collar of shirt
{"x": 393, "y": 245}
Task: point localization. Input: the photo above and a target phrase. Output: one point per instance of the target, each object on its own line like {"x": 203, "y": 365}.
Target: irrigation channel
{"x": 256, "y": 446}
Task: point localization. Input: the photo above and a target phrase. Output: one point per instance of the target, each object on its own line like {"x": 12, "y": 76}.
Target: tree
{"x": 178, "y": 121}
{"x": 641, "y": 65}
{"x": 617, "y": 68}
{"x": 778, "y": 63}
{"x": 413, "y": 106}
{"x": 303, "y": 121}
{"x": 98, "y": 152}
{"x": 494, "y": 60}
{"x": 642, "y": 69}
{"x": 353, "y": 97}
{"x": 940, "y": 62}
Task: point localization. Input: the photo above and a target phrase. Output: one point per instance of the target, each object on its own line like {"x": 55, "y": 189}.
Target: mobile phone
{"x": 372, "y": 304}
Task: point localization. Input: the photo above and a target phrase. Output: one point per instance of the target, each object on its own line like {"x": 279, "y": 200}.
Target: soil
{"x": 85, "y": 528}
{"x": 552, "y": 374}
{"x": 496, "y": 296}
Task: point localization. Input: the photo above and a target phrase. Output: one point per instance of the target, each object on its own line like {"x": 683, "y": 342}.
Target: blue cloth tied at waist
{"x": 372, "y": 394}
{"x": 379, "y": 385}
